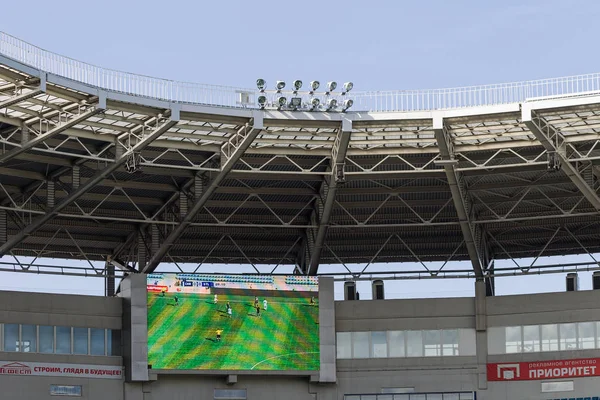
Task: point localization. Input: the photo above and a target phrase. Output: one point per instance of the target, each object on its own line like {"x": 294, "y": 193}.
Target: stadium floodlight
{"x": 280, "y": 85}
{"x": 295, "y": 102}
{"x": 331, "y": 104}
{"x": 314, "y": 85}
{"x": 261, "y": 84}
{"x": 347, "y": 87}
{"x": 315, "y": 102}
{"x": 331, "y": 86}
{"x": 262, "y": 101}
{"x": 281, "y": 100}
{"x": 297, "y": 85}
{"x": 347, "y": 104}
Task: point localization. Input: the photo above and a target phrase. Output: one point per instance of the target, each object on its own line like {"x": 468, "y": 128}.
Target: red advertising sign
{"x": 66, "y": 370}
{"x": 538, "y": 370}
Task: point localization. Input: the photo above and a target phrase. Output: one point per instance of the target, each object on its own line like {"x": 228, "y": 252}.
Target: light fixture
{"x": 314, "y": 85}
{"x": 262, "y": 101}
{"x": 295, "y": 102}
{"x": 331, "y": 86}
{"x": 347, "y": 87}
{"x": 347, "y": 104}
{"x": 297, "y": 85}
{"x": 331, "y": 104}
{"x": 261, "y": 84}
{"x": 315, "y": 102}
{"x": 280, "y": 85}
{"x": 281, "y": 101}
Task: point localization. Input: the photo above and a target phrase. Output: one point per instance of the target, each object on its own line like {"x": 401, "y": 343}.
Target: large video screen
{"x": 233, "y": 322}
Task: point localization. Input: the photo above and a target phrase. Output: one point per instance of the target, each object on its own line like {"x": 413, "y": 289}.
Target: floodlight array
{"x": 297, "y": 100}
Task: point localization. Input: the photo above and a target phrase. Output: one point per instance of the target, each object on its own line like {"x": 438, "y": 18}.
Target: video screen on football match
{"x": 233, "y": 322}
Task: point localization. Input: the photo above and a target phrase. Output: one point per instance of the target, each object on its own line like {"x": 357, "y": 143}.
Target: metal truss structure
{"x": 93, "y": 172}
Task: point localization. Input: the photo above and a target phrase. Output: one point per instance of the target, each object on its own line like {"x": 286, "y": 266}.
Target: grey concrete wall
{"x": 413, "y": 314}
{"x": 327, "y": 330}
{"x": 135, "y": 327}
{"x": 196, "y": 388}
{"x": 544, "y": 308}
{"x": 38, "y": 388}
{"x": 61, "y": 310}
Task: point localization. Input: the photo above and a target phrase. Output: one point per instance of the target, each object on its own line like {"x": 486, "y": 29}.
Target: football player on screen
{"x": 265, "y": 304}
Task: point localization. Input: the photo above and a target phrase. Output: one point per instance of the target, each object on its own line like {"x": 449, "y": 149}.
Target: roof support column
{"x": 471, "y": 232}
{"x": 556, "y": 145}
{"x": 77, "y": 193}
{"x": 231, "y": 152}
{"x": 329, "y": 190}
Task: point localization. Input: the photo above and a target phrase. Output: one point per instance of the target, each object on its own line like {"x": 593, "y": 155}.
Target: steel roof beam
{"x": 338, "y": 158}
{"x": 459, "y": 194}
{"x": 19, "y": 98}
{"x": 555, "y": 142}
{"x": 231, "y": 152}
{"x": 77, "y": 193}
{"x": 52, "y": 132}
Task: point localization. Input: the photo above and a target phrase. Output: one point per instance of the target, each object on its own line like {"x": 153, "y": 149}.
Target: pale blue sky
{"x": 379, "y": 45}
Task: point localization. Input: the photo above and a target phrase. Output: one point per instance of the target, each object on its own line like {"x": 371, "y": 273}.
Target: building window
{"x": 63, "y": 340}
{"x": 531, "y": 338}
{"x": 97, "y": 342}
{"x": 229, "y": 394}
{"x": 432, "y": 344}
{"x": 11, "y": 337}
{"x": 568, "y": 336}
{"x": 344, "y": 344}
{"x": 396, "y": 340}
{"x": 587, "y": 335}
{"x": 80, "y": 340}
{"x": 378, "y": 344}
{"x": 513, "y": 342}
{"x": 46, "y": 339}
{"x": 360, "y": 344}
{"x": 550, "y": 337}
{"x": 414, "y": 344}
{"x": 65, "y": 390}
{"x": 450, "y": 342}
{"x": 113, "y": 342}
{"x": 29, "y": 338}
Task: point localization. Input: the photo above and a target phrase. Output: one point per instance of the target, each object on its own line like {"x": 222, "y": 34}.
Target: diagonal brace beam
{"x": 22, "y": 97}
{"x": 338, "y": 155}
{"x": 49, "y": 134}
{"x": 73, "y": 196}
{"x": 554, "y": 141}
{"x": 233, "y": 150}
{"x": 459, "y": 195}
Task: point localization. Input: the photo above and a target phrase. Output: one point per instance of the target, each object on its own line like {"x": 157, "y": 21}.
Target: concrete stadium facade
{"x": 451, "y": 374}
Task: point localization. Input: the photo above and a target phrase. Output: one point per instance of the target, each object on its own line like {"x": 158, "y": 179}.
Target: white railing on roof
{"x": 118, "y": 81}
{"x": 226, "y": 96}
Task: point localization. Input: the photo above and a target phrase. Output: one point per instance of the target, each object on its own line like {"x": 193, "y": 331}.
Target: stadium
{"x": 136, "y": 172}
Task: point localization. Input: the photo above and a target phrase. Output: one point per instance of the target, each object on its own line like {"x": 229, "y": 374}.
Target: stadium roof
{"x": 105, "y": 165}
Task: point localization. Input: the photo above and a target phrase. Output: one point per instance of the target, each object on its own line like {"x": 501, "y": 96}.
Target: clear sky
{"x": 377, "y": 44}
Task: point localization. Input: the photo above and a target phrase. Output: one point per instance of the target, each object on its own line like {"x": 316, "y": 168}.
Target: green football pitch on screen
{"x": 194, "y": 332}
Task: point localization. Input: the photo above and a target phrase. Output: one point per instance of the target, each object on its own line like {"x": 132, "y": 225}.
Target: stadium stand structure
{"x": 102, "y": 165}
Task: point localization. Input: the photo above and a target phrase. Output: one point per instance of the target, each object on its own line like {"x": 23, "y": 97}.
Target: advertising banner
{"x": 60, "y": 370}
{"x": 542, "y": 370}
